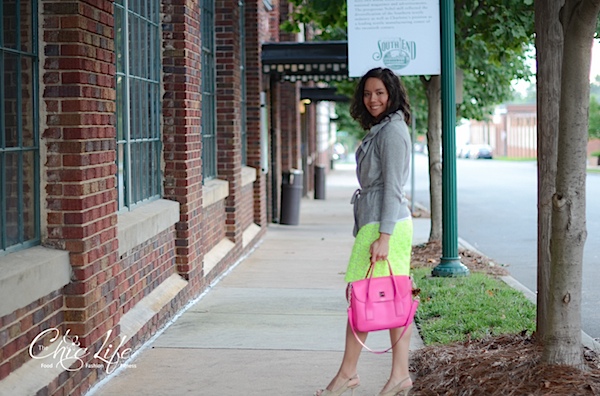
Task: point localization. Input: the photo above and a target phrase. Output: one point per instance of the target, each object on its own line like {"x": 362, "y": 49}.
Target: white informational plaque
{"x": 402, "y": 35}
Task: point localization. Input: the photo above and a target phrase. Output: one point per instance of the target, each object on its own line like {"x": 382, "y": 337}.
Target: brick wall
{"x": 289, "y": 105}
{"x": 274, "y": 20}
{"x": 142, "y": 270}
{"x": 273, "y": 88}
{"x": 290, "y": 126}
{"x": 275, "y": 144}
{"x": 80, "y": 140}
{"x": 311, "y": 121}
{"x": 78, "y": 95}
{"x": 247, "y": 206}
{"x": 257, "y": 32}
{"x": 181, "y": 128}
{"x": 227, "y": 37}
{"x": 19, "y": 328}
{"x": 214, "y": 225}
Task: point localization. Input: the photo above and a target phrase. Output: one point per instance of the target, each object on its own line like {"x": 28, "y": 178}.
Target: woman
{"x": 382, "y": 219}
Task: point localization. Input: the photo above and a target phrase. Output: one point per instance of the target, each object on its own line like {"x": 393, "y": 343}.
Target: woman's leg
{"x": 399, "y": 358}
{"x": 350, "y": 360}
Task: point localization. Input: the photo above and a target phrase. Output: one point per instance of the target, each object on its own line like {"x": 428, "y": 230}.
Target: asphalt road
{"x": 497, "y": 214}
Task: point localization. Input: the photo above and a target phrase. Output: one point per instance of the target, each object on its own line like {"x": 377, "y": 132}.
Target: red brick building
{"x": 141, "y": 154}
{"x": 512, "y": 132}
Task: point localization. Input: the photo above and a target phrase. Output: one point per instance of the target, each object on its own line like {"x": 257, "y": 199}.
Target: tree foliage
{"x": 327, "y": 17}
{"x": 594, "y": 122}
{"x": 493, "y": 38}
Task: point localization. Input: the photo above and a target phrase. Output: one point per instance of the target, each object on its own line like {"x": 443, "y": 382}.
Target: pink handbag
{"x": 381, "y": 303}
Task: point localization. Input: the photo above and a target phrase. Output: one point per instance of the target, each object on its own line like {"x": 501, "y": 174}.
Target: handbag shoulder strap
{"x": 408, "y": 323}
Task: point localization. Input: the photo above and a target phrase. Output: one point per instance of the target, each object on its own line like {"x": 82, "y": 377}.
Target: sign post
{"x": 450, "y": 264}
{"x": 404, "y": 36}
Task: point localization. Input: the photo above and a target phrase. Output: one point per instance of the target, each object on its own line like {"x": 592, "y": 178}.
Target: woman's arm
{"x": 394, "y": 151}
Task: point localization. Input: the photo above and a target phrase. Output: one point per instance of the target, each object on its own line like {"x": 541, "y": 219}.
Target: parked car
{"x": 475, "y": 151}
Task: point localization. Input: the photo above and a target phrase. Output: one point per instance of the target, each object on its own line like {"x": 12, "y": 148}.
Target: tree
{"x": 548, "y": 75}
{"x": 565, "y": 31}
{"x": 494, "y": 36}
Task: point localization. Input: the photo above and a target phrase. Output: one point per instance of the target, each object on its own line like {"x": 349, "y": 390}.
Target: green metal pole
{"x": 450, "y": 264}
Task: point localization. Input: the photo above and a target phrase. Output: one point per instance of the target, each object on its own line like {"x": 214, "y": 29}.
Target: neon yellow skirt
{"x": 399, "y": 255}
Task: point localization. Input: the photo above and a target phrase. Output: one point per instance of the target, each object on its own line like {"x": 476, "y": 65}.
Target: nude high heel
{"x": 351, "y": 383}
{"x": 397, "y": 390}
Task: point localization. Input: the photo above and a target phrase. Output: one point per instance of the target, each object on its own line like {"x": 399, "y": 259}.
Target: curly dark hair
{"x": 398, "y": 98}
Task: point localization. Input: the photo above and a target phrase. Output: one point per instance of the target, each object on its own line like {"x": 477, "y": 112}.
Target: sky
{"x": 595, "y": 68}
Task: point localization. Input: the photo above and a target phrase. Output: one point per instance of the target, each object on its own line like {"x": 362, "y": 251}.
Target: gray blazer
{"x": 382, "y": 168}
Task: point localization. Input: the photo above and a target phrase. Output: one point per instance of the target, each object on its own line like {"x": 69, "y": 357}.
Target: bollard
{"x": 291, "y": 195}
{"x": 319, "y": 182}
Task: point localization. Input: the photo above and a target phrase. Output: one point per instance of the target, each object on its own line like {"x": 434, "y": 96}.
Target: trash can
{"x": 291, "y": 195}
{"x": 319, "y": 182}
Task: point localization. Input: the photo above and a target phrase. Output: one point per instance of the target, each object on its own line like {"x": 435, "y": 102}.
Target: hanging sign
{"x": 402, "y": 35}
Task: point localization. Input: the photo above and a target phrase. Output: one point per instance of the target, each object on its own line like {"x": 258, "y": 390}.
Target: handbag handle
{"x": 371, "y": 270}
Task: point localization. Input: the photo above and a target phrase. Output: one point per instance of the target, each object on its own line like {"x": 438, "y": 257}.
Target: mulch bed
{"x": 429, "y": 254}
{"x": 507, "y": 365}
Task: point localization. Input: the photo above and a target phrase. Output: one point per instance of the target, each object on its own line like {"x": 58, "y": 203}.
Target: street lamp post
{"x": 450, "y": 264}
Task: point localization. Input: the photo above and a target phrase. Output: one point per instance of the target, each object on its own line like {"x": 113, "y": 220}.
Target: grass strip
{"x": 471, "y": 307}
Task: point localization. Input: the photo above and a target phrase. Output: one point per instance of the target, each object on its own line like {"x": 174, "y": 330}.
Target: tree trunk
{"x": 563, "y": 334}
{"x": 434, "y": 144}
{"x": 549, "y": 44}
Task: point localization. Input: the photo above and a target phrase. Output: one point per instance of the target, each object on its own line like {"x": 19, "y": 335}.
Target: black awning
{"x": 307, "y": 61}
{"x": 315, "y": 94}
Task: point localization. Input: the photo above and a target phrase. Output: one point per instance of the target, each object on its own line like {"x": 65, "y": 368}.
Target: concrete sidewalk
{"x": 274, "y": 324}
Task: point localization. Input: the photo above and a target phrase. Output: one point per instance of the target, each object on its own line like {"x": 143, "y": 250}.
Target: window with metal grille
{"x": 243, "y": 104}
{"x": 19, "y": 139}
{"x": 137, "y": 46}
{"x": 209, "y": 100}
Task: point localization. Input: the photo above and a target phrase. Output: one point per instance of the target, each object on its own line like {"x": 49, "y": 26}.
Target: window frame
{"x": 20, "y": 149}
{"x": 209, "y": 91}
{"x": 137, "y": 76}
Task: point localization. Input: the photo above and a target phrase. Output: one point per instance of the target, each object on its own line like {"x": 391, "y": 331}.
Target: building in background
{"x": 511, "y": 132}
